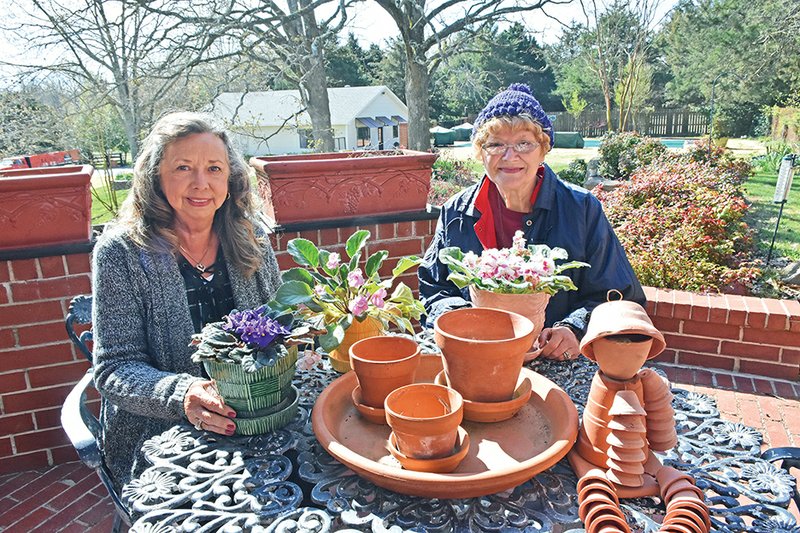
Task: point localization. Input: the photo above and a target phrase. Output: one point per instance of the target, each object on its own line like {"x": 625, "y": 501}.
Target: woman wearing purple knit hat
{"x": 519, "y": 192}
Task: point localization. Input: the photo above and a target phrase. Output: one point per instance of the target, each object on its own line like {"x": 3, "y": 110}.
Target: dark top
{"x": 209, "y": 299}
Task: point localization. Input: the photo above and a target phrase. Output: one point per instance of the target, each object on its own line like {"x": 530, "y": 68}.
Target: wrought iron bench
{"x": 80, "y": 424}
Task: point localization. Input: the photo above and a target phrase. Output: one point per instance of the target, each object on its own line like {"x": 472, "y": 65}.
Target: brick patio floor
{"x": 70, "y": 497}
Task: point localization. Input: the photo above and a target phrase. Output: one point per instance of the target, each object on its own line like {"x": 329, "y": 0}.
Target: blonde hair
{"x": 149, "y": 218}
{"x": 524, "y": 122}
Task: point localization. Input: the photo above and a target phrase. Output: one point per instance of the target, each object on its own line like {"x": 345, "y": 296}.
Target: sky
{"x": 371, "y": 24}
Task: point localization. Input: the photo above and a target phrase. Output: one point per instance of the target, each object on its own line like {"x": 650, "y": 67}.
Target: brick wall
{"x": 38, "y": 364}
{"x": 758, "y": 336}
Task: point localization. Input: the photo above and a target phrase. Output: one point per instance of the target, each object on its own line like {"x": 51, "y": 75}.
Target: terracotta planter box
{"x": 44, "y": 206}
{"x": 343, "y": 184}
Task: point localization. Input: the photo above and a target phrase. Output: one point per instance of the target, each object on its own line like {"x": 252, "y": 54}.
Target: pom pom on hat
{"x": 514, "y": 101}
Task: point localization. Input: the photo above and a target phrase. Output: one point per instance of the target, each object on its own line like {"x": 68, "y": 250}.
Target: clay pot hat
{"x": 620, "y": 317}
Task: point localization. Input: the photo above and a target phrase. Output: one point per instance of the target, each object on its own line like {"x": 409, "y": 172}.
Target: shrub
{"x": 681, "y": 223}
{"x": 575, "y": 172}
{"x": 771, "y": 161}
{"x": 453, "y": 171}
{"x": 441, "y": 191}
{"x": 736, "y": 171}
{"x": 622, "y": 153}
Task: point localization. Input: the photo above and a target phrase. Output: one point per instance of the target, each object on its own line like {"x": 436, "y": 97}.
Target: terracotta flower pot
{"x": 340, "y": 356}
{"x": 531, "y": 306}
{"x": 383, "y": 364}
{"x": 343, "y": 184}
{"x": 45, "y": 206}
{"x": 483, "y": 351}
{"x": 424, "y": 418}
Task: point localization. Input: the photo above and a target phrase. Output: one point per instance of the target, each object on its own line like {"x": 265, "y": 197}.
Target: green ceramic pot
{"x": 253, "y": 391}
{"x": 256, "y": 425}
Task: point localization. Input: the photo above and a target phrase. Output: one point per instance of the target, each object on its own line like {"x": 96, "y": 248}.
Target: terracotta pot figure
{"x": 629, "y": 415}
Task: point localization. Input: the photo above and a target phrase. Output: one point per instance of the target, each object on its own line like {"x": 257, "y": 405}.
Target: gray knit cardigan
{"x": 142, "y": 329}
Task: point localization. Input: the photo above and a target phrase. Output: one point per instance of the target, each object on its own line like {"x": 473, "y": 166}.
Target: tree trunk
{"x": 418, "y": 102}
{"x": 315, "y": 90}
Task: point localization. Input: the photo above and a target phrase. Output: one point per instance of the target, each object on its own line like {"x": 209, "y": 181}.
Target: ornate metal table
{"x": 285, "y": 481}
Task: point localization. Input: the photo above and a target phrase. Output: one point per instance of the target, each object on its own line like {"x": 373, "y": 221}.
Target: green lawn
{"x": 100, "y": 214}
{"x": 764, "y": 214}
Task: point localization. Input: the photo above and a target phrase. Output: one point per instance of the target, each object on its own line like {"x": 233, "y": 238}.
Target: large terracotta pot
{"x": 343, "y": 184}
{"x": 483, "y": 351}
{"x": 383, "y": 364}
{"x": 340, "y": 356}
{"x": 45, "y": 206}
{"x": 425, "y": 418}
{"x": 531, "y": 306}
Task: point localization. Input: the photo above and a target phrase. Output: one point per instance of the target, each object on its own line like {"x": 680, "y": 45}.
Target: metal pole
{"x": 775, "y": 233}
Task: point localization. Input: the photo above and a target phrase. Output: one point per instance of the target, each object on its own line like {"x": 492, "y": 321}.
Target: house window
{"x": 395, "y": 131}
{"x": 306, "y": 138}
{"x": 362, "y": 137}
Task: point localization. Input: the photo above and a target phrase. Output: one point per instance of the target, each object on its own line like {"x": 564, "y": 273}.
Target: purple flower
{"x": 355, "y": 278}
{"x": 333, "y": 261}
{"x": 358, "y": 305}
{"x": 253, "y": 328}
{"x": 377, "y": 298}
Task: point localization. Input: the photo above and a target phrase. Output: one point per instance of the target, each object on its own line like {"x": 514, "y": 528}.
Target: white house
{"x": 270, "y": 122}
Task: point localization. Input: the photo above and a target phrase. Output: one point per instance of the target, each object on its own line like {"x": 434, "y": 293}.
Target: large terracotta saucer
{"x": 501, "y": 455}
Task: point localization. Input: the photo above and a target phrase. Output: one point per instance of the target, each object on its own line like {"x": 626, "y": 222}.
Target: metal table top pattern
{"x": 285, "y": 481}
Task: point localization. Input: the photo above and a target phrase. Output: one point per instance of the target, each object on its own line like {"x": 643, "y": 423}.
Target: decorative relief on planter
{"x": 40, "y": 207}
{"x": 339, "y": 185}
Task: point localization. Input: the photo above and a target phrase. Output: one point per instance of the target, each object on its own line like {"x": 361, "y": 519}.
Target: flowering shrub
{"x": 441, "y": 191}
{"x": 253, "y": 338}
{"x": 575, "y": 172}
{"x": 682, "y": 225}
{"x": 622, "y": 153}
{"x": 331, "y": 293}
{"x": 520, "y": 269}
{"x": 732, "y": 170}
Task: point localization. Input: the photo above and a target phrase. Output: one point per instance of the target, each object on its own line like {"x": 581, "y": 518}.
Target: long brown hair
{"x": 150, "y": 219}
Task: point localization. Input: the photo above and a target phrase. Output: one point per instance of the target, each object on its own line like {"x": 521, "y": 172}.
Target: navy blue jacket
{"x": 563, "y": 215}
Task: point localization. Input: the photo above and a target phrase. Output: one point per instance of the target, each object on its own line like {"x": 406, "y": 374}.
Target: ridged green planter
{"x": 253, "y": 391}
{"x": 264, "y": 424}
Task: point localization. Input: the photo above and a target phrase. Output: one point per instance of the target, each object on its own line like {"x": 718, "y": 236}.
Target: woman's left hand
{"x": 558, "y": 343}
{"x": 205, "y": 408}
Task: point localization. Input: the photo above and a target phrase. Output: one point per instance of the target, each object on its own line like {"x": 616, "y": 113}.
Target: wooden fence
{"x": 659, "y": 123}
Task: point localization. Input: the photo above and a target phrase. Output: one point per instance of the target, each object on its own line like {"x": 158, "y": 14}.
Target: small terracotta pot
{"x": 531, "y": 306}
{"x": 340, "y": 356}
{"x": 621, "y": 356}
{"x": 483, "y": 351}
{"x": 383, "y": 364}
{"x": 425, "y": 419}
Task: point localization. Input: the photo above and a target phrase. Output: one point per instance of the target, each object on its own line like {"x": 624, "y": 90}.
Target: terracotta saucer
{"x": 494, "y": 411}
{"x": 442, "y": 465}
{"x": 371, "y": 414}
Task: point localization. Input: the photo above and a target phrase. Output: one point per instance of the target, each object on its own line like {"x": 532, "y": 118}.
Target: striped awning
{"x": 368, "y": 122}
{"x": 399, "y": 119}
{"x": 386, "y": 121}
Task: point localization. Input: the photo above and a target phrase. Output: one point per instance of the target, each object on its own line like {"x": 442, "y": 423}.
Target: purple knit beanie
{"x": 514, "y": 101}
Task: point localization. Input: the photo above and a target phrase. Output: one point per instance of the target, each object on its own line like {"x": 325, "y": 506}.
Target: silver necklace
{"x": 198, "y": 264}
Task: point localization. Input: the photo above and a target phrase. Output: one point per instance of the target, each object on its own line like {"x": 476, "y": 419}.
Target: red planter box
{"x": 44, "y": 206}
{"x": 343, "y": 184}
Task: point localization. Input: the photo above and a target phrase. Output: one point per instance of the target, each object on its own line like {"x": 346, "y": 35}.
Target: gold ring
{"x": 566, "y": 355}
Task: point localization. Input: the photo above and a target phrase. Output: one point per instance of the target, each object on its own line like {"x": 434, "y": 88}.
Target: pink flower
{"x": 355, "y": 278}
{"x": 319, "y": 290}
{"x": 518, "y": 241}
{"x": 309, "y": 360}
{"x": 358, "y": 305}
{"x": 377, "y": 298}
{"x": 333, "y": 261}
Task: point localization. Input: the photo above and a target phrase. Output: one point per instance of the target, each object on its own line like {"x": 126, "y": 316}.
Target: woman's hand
{"x": 558, "y": 343}
{"x": 205, "y": 409}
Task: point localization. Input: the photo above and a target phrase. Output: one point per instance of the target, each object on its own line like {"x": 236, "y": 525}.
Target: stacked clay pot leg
{"x": 598, "y": 505}
{"x": 627, "y": 445}
{"x": 686, "y": 508}
{"x": 661, "y": 434}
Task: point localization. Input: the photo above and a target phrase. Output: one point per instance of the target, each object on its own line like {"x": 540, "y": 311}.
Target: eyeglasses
{"x": 523, "y": 147}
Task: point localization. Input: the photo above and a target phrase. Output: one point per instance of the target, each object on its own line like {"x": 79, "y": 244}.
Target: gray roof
{"x": 272, "y": 108}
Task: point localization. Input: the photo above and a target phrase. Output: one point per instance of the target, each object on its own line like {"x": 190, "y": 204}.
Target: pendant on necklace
{"x": 201, "y": 268}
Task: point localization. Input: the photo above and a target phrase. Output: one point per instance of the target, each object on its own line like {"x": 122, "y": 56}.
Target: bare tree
{"x": 128, "y": 56}
{"x": 434, "y": 30}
